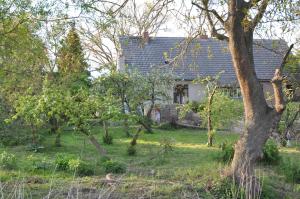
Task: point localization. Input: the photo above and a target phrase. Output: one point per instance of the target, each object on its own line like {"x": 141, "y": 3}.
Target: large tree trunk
{"x": 260, "y": 119}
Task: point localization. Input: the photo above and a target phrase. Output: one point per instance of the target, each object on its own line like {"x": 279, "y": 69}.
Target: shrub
{"x": 227, "y": 152}
{"x": 42, "y": 165}
{"x": 290, "y": 169}
{"x": 80, "y": 167}
{"x": 7, "y": 160}
{"x": 271, "y": 153}
{"x": 35, "y": 148}
{"x": 167, "y": 145}
{"x": 131, "y": 150}
{"x": 114, "y": 167}
{"x": 107, "y": 139}
{"x": 62, "y": 161}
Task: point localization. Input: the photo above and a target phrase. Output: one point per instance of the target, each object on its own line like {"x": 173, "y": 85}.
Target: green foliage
{"x": 167, "y": 144}
{"x": 290, "y": 169}
{"x": 7, "y": 160}
{"x": 39, "y": 164}
{"x": 107, "y": 139}
{"x": 227, "y": 188}
{"x": 114, "y": 167}
{"x": 79, "y": 167}
{"x": 131, "y": 150}
{"x": 62, "y": 161}
{"x": 227, "y": 152}
{"x": 224, "y": 111}
{"x": 271, "y": 153}
{"x": 71, "y": 63}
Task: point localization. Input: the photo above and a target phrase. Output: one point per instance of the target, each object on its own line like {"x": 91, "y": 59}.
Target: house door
{"x": 181, "y": 94}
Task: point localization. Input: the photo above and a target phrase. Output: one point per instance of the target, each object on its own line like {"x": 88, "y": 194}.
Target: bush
{"x": 227, "y": 152}
{"x": 38, "y": 164}
{"x": 80, "y": 167}
{"x": 7, "y": 160}
{"x": 114, "y": 167}
{"x": 107, "y": 139}
{"x": 290, "y": 169}
{"x": 131, "y": 150}
{"x": 167, "y": 145}
{"x": 62, "y": 161}
{"x": 271, "y": 153}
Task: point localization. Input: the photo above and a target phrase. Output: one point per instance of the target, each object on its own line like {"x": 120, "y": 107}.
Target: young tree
{"x": 242, "y": 18}
{"x": 211, "y": 84}
{"x": 157, "y": 82}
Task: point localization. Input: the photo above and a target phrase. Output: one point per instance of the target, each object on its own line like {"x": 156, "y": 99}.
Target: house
{"x": 189, "y": 59}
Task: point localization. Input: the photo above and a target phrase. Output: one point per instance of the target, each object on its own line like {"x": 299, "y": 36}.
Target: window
{"x": 233, "y": 92}
{"x": 181, "y": 93}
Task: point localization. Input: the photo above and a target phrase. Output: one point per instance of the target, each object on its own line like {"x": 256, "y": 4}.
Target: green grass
{"x": 185, "y": 172}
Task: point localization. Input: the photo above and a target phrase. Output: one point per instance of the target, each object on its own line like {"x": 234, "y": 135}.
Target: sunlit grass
{"x": 153, "y": 172}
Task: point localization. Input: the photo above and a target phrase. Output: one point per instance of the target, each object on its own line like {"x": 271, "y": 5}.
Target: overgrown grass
{"x": 189, "y": 169}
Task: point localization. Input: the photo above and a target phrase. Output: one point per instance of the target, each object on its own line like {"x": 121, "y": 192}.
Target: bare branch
{"x": 214, "y": 31}
{"x": 214, "y": 12}
{"x": 260, "y": 14}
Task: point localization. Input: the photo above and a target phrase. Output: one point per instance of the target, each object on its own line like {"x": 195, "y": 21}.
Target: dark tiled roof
{"x": 202, "y": 57}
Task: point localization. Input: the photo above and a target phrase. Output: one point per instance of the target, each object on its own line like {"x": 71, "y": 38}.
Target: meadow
{"x": 174, "y": 163}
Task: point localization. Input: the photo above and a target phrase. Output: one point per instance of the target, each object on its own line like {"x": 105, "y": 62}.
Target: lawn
{"x": 189, "y": 170}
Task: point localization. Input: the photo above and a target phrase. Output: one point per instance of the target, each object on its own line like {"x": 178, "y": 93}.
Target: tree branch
{"x": 277, "y": 84}
{"x": 214, "y": 31}
{"x": 213, "y": 11}
{"x": 260, "y": 14}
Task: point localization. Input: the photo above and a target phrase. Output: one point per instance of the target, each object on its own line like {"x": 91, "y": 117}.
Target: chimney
{"x": 146, "y": 37}
{"x": 203, "y": 36}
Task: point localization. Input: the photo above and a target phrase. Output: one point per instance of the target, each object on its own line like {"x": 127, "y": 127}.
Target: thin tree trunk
{"x": 57, "y": 139}
{"x": 99, "y": 148}
{"x": 33, "y": 131}
{"x": 209, "y": 123}
{"x": 105, "y": 129}
{"x": 94, "y": 141}
{"x": 125, "y": 121}
{"x": 136, "y": 136}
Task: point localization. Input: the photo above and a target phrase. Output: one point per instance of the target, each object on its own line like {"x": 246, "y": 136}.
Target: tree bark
{"x": 260, "y": 119}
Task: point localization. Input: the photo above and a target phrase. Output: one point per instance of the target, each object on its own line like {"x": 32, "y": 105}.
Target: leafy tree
{"x": 157, "y": 82}
{"x": 211, "y": 88}
{"x": 26, "y": 108}
{"x": 71, "y": 63}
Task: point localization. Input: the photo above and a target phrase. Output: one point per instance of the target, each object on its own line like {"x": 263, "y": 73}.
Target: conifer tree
{"x": 71, "y": 63}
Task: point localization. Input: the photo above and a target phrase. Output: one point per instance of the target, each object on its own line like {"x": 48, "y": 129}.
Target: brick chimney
{"x": 146, "y": 37}
{"x": 203, "y": 36}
